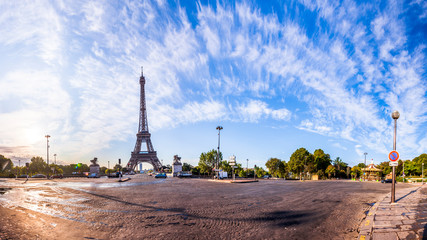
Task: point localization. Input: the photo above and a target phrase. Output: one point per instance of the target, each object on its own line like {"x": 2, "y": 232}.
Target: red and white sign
{"x": 393, "y": 156}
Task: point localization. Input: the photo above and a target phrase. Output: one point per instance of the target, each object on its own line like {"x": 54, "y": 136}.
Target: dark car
{"x": 38, "y": 176}
{"x": 58, "y": 176}
{"x": 386, "y": 181}
{"x": 23, "y": 176}
{"x": 161, "y": 175}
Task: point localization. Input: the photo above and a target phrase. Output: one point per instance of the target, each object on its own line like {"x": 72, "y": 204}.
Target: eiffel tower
{"x": 147, "y": 155}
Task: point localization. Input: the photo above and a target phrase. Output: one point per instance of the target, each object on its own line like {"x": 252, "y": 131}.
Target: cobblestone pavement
{"x": 405, "y": 219}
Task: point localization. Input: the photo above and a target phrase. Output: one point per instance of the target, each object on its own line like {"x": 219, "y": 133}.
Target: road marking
{"x": 370, "y": 213}
{"x": 362, "y": 237}
{"x": 367, "y": 223}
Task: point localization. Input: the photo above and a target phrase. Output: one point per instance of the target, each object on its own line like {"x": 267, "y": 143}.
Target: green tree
{"x": 238, "y": 170}
{"x": 38, "y": 165}
{"x": 277, "y": 167}
{"x": 361, "y": 165}
{"x": 260, "y": 172}
{"x": 225, "y": 166}
{"x": 298, "y": 160}
{"x": 339, "y": 164}
{"x": 321, "y": 160}
{"x": 385, "y": 167}
{"x": 330, "y": 170}
{"x": 207, "y": 161}
{"x": 341, "y": 167}
{"x": 410, "y": 168}
{"x": 356, "y": 171}
{"x": 5, "y": 164}
{"x": 418, "y": 161}
{"x": 186, "y": 167}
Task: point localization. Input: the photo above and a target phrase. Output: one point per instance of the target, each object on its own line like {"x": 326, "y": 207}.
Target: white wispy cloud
{"x": 82, "y": 68}
{"x": 255, "y": 110}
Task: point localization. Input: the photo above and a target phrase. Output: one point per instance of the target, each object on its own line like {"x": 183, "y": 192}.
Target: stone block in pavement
{"x": 383, "y": 224}
{"x": 408, "y": 221}
{"x": 385, "y": 229}
{"x": 364, "y": 237}
{"x": 405, "y": 227}
{"x": 406, "y": 235}
{"x": 384, "y": 236}
{"x": 388, "y": 218}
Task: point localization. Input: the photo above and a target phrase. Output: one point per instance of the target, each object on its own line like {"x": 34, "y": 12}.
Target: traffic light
{"x": 120, "y": 161}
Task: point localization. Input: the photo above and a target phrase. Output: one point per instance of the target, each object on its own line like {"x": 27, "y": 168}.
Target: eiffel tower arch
{"x": 144, "y": 151}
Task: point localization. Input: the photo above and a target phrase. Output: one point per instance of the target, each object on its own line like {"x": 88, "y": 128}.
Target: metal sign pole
{"x": 395, "y": 115}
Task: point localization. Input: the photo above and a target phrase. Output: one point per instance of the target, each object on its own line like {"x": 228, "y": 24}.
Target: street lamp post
{"x": 54, "y": 171}
{"x": 364, "y": 172}
{"x": 395, "y": 115}
{"x": 219, "y": 128}
{"x": 47, "y": 150}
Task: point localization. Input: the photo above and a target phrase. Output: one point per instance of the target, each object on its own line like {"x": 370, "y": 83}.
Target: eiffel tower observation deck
{"x": 144, "y": 151}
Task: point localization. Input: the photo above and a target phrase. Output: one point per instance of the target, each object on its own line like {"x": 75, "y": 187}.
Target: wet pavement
{"x": 148, "y": 208}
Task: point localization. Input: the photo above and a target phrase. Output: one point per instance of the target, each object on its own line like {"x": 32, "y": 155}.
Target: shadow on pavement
{"x": 409, "y": 193}
{"x": 285, "y": 218}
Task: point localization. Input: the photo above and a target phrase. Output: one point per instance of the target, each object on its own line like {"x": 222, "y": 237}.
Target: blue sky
{"x": 277, "y": 75}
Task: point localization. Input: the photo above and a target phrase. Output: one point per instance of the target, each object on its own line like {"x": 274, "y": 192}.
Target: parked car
{"x": 93, "y": 175}
{"x": 386, "y": 180}
{"x": 266, "y": 177}
{"x": 23, "y": 176}
{"x": 58, "y": 176}
{"x": 161, "y": 175}
{"x": 39, "y": 176}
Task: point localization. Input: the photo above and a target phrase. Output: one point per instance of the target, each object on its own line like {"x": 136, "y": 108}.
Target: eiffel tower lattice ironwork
{"x": 147, "y": 155}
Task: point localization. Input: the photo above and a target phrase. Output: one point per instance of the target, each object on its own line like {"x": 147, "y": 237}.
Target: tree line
{"x": 301, "y": 164}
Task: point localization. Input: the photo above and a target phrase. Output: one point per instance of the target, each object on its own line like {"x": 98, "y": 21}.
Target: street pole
{"x": 47, "y": 150}
{"x": 364, "y": 172}
{"x": 54, "y": 171}
{"x": 395, "y": 115}
{"x": 254, "y": 172}
{"x": 403, "y": 172}
{"x": 422, "y": 173}
{"x": 247, "y": 167}
{"x": 219, "y": 128}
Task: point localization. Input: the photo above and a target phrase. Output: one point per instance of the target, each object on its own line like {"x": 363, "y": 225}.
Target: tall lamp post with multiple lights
{"x": 47, "y": 150}
{"x": 395, "y": 115}
{"x": 219, "y": 128}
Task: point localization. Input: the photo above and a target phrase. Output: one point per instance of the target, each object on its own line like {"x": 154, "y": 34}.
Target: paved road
{"x": 185, "y": 208}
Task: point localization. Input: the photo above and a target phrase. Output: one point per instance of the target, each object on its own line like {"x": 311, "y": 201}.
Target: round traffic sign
{"x": 393, "y": 156}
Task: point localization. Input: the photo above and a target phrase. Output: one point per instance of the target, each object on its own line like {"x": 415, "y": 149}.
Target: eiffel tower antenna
{"x": 148, "y": 154}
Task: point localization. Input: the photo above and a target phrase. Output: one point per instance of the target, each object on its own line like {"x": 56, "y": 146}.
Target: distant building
{"x": 176, "y": 166}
